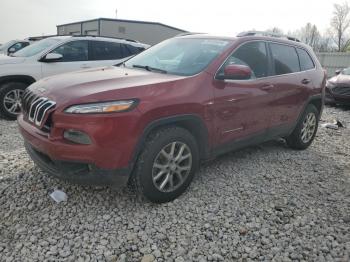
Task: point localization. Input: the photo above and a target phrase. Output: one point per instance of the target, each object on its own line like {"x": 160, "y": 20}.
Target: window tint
{"x": 251, "y": 54}
{"x": 19, "y": 45}
{"x": 73, "y": 51}
{"x": 306, "y": 62}
{"x": 106, "y": 50}
{"x": 126, "y": 51}
{"x": 285, "y": 59}
{"x": 134, "y": 50}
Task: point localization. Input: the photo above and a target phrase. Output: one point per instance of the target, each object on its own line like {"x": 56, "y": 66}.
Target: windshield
{"x": 179, "y": 56}
{"x": 37, "y": 47}
{"x": 346, "y": 71}
{"x": 7, "y": 45}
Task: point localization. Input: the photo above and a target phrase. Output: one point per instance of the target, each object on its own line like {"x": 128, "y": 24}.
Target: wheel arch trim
{"x": 179, "y": 120}
{"x": 17, "y": 78}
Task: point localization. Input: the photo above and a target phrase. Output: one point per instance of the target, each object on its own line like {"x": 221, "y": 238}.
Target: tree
{"x": 310, "y": 35}
{"x": 340, "y": 24}
{"x": 275, "y": 30}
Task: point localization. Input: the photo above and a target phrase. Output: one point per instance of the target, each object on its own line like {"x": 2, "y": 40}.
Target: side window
{"x": 306, "y": 62}
{"x": 135, "y": 50}
{"x": 126, "y": 51}
{"x": 73, "y": 51}
{"x": 252, "y": 54}
{"x": 106, "y": 50}
{"x": 285, "y": 59}
{"x": 19, "y": 45}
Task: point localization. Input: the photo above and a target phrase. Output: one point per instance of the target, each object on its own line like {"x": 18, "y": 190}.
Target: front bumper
{"x": 332, "y": 98}
{"x": 78, "y": 173}
{"x": 107, "y": 161}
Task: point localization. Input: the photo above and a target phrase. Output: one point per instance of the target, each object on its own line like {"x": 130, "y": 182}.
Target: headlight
{"x": 104, "y": 107}
{"x": 330, "y": 84}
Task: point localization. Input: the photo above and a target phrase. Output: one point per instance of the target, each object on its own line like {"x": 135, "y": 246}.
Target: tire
{"x": 295, "y": 140}
{"x": 153, "y": 166}
{"x": 11, "y": 91}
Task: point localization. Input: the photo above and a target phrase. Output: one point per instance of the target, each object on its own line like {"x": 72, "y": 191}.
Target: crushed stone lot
{"x": 266, "y": 202}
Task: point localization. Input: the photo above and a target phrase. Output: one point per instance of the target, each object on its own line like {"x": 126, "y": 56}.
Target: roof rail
{"x": 111, "y": 37}
{"x": 189, "y": 33}
{"x": 266, "y": 33}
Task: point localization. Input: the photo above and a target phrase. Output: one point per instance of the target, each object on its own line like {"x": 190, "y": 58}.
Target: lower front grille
{"x": 37, "y": 109}
{"x": 341, "y": 90}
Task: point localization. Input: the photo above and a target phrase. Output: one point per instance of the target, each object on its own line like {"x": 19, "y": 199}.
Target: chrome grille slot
{"x": 36, "y": 108}
{"x": 43, "y": 110}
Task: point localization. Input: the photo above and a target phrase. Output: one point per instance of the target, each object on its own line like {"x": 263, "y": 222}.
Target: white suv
{"x": 13, "y": 46}
{"x": 56, "y": 55}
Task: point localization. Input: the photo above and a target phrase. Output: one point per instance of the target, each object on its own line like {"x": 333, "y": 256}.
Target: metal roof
{"x": 124, "y": 21}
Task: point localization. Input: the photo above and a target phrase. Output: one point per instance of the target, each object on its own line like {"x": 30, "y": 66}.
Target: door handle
{"x": 267, "y": 87}
{"x": 305, "y": 81}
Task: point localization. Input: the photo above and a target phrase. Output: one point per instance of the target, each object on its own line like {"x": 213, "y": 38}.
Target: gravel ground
{"x": 261, "y": 203}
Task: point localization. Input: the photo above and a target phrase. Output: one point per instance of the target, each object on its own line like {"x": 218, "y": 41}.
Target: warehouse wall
{"x": 69, "y": 29}
{"x": 333, "y": 61}
{"x": 90, "y": 28}
{"x": 145, "y": 33}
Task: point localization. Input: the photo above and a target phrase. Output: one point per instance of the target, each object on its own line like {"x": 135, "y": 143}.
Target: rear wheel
{"x": 10, "y": 99}
{"x": 166, "y": 165}
{"x": 306, "y": 129}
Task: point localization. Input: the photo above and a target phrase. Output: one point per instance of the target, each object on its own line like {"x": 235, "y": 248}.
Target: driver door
{"x": 75, "y": 56}
{"x": 242, "y": 107}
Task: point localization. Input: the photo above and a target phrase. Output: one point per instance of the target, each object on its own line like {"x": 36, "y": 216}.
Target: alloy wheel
{"x": 309, "y": 127}
{"x": 12, "y": 101}
{"x": 172, "y": 166}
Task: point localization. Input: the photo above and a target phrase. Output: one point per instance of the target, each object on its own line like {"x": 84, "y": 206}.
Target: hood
{"x": 5, "y": 60}
{"x": 340, "y": 80}
{"x": 96, "y": 83}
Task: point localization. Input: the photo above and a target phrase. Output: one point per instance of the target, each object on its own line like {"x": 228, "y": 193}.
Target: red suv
{"x": 152, "y": 119}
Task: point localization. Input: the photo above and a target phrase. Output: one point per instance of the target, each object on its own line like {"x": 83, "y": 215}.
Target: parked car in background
{"x": 338, "y": 88}
{"x": 13, "y": 46}
{"x": 153, "y": 119}
{"x": 56, "y": 55}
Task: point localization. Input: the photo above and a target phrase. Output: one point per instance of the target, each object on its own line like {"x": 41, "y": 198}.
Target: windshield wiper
{"x": 149, "y": 68}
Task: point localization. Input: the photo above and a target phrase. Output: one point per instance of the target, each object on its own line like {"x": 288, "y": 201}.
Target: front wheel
{"x": 10, "y": 99}
{"x": 306, "y": 129}
{"x": 166, "y": 165}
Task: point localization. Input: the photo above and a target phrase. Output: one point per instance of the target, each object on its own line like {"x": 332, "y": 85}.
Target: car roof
{"x": 244, "y": 38}
{"x": 205, "y": 36}
{"x": 99, "y": 38}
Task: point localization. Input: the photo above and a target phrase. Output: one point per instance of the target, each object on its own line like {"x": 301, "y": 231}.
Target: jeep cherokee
{"x": 151, "y": 120}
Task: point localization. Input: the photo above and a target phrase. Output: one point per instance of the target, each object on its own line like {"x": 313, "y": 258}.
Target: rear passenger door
{"x": 104, "y": 53}
{"x": 290, "y": 87}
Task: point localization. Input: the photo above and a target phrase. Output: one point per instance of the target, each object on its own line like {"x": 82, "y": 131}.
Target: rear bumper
{"x": 78, "y": 173}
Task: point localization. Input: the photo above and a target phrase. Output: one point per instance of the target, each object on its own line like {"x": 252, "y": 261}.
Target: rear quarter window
{"x": 306, "y": 62}
{"x": 285, "y": 59}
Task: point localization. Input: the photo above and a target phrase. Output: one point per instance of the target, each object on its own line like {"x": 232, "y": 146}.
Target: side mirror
{"x": 11, "y": 50}
{"x": 52, "y": 57}
{"x": 337, "y": 72}
{"x": 237, "y": 72}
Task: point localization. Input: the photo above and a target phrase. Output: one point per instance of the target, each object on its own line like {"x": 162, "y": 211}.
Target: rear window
{"x": 285, "y": 59}
{"x": 306, "y": 62}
